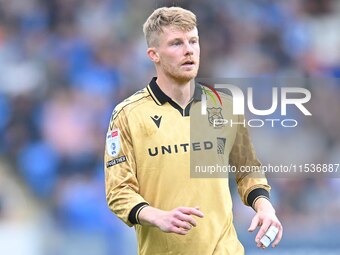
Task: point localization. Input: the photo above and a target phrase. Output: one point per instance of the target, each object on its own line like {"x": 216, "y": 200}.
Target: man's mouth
{"x": 188, "y": 63}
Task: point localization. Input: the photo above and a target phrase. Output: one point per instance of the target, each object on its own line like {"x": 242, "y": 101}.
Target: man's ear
{"x": 153, "y": 54}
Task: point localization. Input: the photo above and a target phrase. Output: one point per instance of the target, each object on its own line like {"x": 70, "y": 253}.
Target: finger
{"x": 278, "y": 237}
{"x": 177, "y": 230}
{"x": 262, "y": 231}
{"x": 187, "y": 218}
{"x": 191, "y": 211}
{"x": 182, "y": 224}
{"x": 254, "y": 224}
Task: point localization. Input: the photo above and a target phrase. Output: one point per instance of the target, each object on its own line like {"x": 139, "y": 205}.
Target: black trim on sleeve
{"x": 256, "y": 193}
{"x": 134, "y": 213}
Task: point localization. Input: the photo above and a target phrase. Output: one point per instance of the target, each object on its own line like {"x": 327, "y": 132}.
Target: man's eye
{"x": 193, "y": 41}
{"x": 177, "y": 43}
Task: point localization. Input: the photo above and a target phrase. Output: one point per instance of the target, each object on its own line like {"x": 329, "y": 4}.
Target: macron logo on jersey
{"x": 157, "y": 120}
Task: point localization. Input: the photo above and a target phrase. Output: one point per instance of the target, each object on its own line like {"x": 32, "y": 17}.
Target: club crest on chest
{"x": 213, "y": 114}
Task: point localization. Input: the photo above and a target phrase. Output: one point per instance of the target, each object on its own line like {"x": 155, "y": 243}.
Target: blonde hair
{"x": 167, "y": 16}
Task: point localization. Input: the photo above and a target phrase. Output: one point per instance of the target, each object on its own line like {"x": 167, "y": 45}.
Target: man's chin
{"x": 186, "y": 77}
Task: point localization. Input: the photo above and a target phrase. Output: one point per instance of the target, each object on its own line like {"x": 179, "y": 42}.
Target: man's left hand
{"x": 264, "y": 218}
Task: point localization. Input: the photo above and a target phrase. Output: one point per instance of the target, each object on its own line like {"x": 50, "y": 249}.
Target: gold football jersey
{"x": 157, "y": 154}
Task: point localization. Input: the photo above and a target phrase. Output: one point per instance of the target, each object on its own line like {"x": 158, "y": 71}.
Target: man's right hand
{"x": 178, "y": 220}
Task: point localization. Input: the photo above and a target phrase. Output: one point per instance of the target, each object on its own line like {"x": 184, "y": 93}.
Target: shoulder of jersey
{"x": 224, "y": 94}
{"x": 131, "y": 102}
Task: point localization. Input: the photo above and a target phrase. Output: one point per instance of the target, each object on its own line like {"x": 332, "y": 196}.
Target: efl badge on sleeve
{"x": 113, "y": 142}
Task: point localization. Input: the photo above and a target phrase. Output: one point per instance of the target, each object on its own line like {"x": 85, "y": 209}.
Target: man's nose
{"x": 188, "y": 49}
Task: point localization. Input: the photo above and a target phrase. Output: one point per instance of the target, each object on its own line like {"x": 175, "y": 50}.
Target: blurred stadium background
{"x": 65, "y": 64}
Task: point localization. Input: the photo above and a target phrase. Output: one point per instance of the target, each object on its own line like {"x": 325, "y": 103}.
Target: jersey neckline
{"x": 161, "y": 98}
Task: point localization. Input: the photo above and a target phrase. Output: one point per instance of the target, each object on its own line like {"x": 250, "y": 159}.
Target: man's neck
{"x": 181, "y": 93}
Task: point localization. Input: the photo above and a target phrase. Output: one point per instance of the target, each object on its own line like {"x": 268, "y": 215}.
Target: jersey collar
{"x": 161, "y": 98}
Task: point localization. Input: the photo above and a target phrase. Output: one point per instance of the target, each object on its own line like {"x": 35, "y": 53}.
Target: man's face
{"x": 179, "y": 54}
